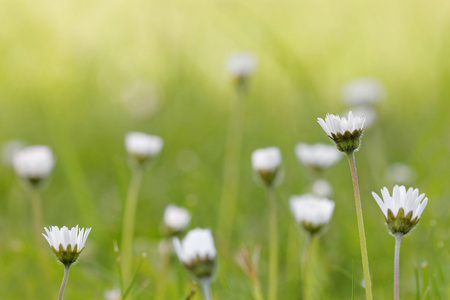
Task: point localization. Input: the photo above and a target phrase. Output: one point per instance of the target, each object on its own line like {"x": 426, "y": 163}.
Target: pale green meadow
{"x": 79, "y": 75}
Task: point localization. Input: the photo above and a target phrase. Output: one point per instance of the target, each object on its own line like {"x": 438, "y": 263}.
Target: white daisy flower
{"x": 176, "y": 219}
{"x": 267, "y": 162}
{"x": 403, "y": 209}
{"x": 311, "y": 212}
{"x": 67, "y": 244}
{"x": 368, "y": 112}
{"x": 363, "y": 91}
{"x": 241, "y": 64}
{"x": 345, "y": 132}
{"x": 197, "y": 252}
{"x": 317, "y": 156}
{"x": 142, "y": 146}
{"x": 34, "y": 163}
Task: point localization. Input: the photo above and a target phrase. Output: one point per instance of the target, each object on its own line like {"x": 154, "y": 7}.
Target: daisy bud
{"x": 403, "y": 209}
{"x": 34, "y": 163}
{"x": 266, "y": 162}
{"x": 363, "y": 91}
{"x": 241, "y": 65}
{"x": 142, "y": 147}
{"x": 346, "y": 133}
{"x": 176, "y": 219}
{"x": 311, "y": 212}
{"x": 197, "y": 253}
{"x": 67, "y": 244}
{"x": 317, "y": 156}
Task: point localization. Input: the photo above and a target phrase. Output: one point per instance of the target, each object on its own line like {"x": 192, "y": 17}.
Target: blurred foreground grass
{"x": 78, "y": 75}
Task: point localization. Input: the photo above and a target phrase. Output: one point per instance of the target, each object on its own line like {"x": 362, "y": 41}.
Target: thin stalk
{"x": 230, "y": 187}
{"x": 304, "y": 262}
{"x": 36, "y": 212}
{"x": 206, "y": 289}
{"x": 362, "y": 235}
{"x": 165, "y": 259}
{"x": 64, "y": 281}
{"x": 257, "y": 293}
{"x": 398, "y": 239}
{"x": 129, "y": 221}
{"x": 273, "y": 244}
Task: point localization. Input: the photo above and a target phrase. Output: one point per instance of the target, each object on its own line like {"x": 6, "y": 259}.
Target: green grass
{"x": 65, "y": 68}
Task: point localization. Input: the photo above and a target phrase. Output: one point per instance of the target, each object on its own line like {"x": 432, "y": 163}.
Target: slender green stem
{"x": 362, "y": 235}
{"x": 64, "y": 281}
{"x": 128, "y": 221}
{"x": 206, "y": 289}
{"x": 398, "y": 239}
{"x": 36, "y": 212}
{"x": 273, "y": 244}
{"x": 161, "y": 283}
{"x": 305, "y": 263}
{"x": 230, "y": 187}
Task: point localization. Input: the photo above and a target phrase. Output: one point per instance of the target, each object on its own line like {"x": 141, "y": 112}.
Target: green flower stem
{"x": 36, "y": 212}
{"x": 362, "y": 235}
{"x": 273, "y": 244}
{"x": 306, "y": 256}
{"x": 165, "y": 259}
{"x": 230, "y": 187}
{"x": 398, "y": 239}
{"x": 64, "y": 282}
{"x": 206, "y": 289}
{"x": 128, "y": 221}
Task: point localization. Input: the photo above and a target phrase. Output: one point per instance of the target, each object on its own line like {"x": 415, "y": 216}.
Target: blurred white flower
{"x": 401, "y": 173}
{"x": 114, "y": 294}
{"x": 197, "y": 252}
{"x": 140, "y": 99}
{"x": 317, "y": 156}
{"x": 403, "y": 209}
{"x": 142, "y": 146}
{"x": 10, "y": 149}
{"x": 311, "y": 212}
{"x": 363, "y": 91}
{"x": 176, "y": 219}
{"x": 368, "y": 112}
{"x": 345, "y": 132}
{"x": 34, "y": 163}
{"x": 266, "y": 162}
{"x": 241, "y": 64}
{"x": 67, "y": 244}
{"x": 322, "y": 188}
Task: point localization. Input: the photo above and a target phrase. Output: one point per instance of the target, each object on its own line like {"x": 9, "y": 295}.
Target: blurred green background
{"x": 78, "y": 75}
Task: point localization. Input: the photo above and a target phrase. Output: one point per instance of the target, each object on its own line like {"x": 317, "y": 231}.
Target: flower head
{"x": 345, "y": 132}
{"x": 368, "y": 112}
{"x": 311, "y": 212}
{"x": 267, "y": 162}
{"x": 363, "y": 91}
{"x": 403, "y": 209}
{"x": 142, "y": 147}
{"x": 34, "y": 163}
{"x": 322, "y": 188}
{"x": 114, "y": 294}
{"x": 197, "y": 252}
{"x": 317, "y": 156}
{"x": 176, "y": 219}
{"x": 241, "y": 65}
{"x": 67, "y": 244}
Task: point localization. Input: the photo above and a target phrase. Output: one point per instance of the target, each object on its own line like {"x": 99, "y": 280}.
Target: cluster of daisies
{"x": 312, "y": 211}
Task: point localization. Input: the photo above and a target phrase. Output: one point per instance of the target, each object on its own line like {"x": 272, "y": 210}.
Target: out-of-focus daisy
{"x": 403, "y": 209}
{"x": 34, "y": 163}
{"x": 241, "y": 65}
{"x": 176, "y": 219}
{"x": 317, "y": 156}
{"x": 114, "y": 294}
{"x": 266, "y": 162}
{"x": 345, "y": 132}
{"x": 401, "y": 173}
{"x": 363, "y": 91}
{"x": 322, "y": 188}
{"x": 311, "y": 212}
{"x": 142, "y": 147}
